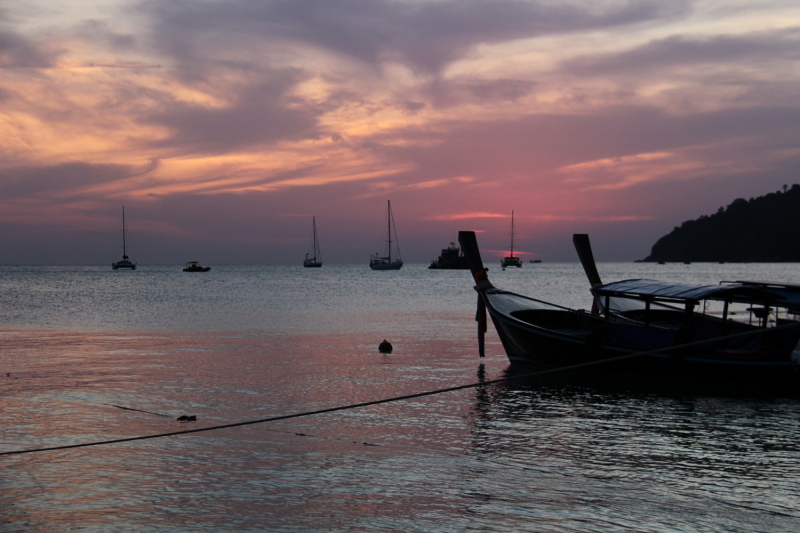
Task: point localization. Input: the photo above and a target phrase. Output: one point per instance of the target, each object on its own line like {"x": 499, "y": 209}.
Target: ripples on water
{"x": 246, "y": 343}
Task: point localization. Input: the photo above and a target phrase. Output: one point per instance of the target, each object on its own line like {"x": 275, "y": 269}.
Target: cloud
{"x": 254, "y": 114}
{"x": 577, "y": 113}
{"x": 18, "y": 51}
{"x": 64, "y": 181}
{"x": 101, "y": 32}
{"x": 468, "y": 216}
{"x": 733, "y": 51}
{"x": 463, "y": 90}
{"x": 543, "y": 143}
{"x": 425, "y": 36}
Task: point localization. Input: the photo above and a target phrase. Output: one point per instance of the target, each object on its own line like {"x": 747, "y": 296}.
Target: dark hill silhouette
{"x": 763, "y": 229}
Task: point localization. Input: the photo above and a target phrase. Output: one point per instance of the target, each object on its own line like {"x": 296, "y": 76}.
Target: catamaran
{"x": 511, "y": 259}
{"x": 125, "y": 262}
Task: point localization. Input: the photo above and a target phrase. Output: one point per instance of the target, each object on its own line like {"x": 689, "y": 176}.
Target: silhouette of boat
{"x": 125, "y": 263}
{"x": 634, "y": 316}
{"x": 386, "y": 263}
{"x": 511, "y": 259}
{"x": 316, "y": 261}
{"x": 194, "y": 266}
{"x": 451, "y": 258}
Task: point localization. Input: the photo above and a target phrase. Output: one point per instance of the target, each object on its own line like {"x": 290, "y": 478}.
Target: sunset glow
{"x": 218, "y": 123}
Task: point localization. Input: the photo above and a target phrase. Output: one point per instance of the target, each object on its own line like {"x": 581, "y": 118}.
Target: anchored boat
{"x": 376, "y": 262}
{"x": 125, "y": 263}
{"x": 511, "y": 259}
{"x": 194, "y": 266}
{"x": 316, "y": 260}
{"x": 742, "y": 332}
{"x": 451, "y": 258}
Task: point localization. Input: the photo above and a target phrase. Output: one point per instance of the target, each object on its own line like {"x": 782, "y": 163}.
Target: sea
{"x": 90, "y": 355}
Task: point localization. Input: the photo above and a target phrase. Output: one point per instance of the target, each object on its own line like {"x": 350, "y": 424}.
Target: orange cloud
{"x": 463, "y": 216}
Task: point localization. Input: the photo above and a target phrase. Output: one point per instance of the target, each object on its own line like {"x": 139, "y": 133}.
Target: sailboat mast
{"x": 389, "y": 225}
{"x": 124, "y": 253}
{"x": 316, "y": 244}
{"x": 512, "y": 233}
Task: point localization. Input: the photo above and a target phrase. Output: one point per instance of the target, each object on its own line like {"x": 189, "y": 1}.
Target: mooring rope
{"x": 400, "y": 398}
{"x": 137, "y": 410}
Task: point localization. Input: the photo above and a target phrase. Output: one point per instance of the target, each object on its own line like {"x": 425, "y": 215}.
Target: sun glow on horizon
{"x": 525, "y": 106}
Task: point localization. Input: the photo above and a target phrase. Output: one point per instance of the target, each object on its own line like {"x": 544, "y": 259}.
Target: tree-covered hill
{"x": 763, "y": 229}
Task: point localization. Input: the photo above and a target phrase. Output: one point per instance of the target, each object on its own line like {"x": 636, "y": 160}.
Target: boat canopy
{"x": 784, "y": 295}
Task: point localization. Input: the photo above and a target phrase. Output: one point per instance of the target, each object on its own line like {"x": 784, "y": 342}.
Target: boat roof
{"x": 783, "y": 294}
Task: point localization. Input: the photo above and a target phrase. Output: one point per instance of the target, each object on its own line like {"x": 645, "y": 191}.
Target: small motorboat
{"x": 745, "y": 333}
{"x": 194, "y": 266}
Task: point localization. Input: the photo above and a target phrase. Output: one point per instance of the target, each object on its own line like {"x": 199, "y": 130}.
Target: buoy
{"x": 385, "y": 347}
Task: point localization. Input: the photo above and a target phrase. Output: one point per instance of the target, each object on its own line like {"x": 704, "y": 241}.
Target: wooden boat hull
{"x": 578, "y": 337}
{"x": 651, "y": 328}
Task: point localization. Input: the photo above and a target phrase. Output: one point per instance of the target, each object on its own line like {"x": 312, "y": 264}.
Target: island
{"x": 764, "y": 229}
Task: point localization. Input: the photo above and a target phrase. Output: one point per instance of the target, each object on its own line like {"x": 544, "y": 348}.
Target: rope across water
{"x": 395, "y": 398}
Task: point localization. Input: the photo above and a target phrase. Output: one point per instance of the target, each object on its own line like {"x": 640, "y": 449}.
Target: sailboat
{"x": 511, "y": 260}
{"x": 125, "y": 263}
{"x": 386, "y": 263}
{"x": 315, "y": 261}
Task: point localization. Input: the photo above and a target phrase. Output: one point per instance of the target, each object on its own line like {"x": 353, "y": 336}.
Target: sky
{"x": 223, "y": 126}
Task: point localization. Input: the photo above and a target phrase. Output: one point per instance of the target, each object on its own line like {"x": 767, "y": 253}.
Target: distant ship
{"x": 511, "y": 259}
{"x": 125, "y": 263}
{"x": 386, "y": 263}
{"x": 451, "y": 259}
{"x": 194, "y": 266}
{"x": 315, "y": 261}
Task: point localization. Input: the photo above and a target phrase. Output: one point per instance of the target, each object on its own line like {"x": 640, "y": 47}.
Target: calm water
{"x": 244, "y": 343}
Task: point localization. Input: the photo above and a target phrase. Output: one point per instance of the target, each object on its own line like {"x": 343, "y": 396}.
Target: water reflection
{"x": 510, "y": 457}
{"x": 739, "y": 451}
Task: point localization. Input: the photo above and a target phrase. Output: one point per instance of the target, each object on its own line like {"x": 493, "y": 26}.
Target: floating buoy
{"x": 385, "y": 347}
